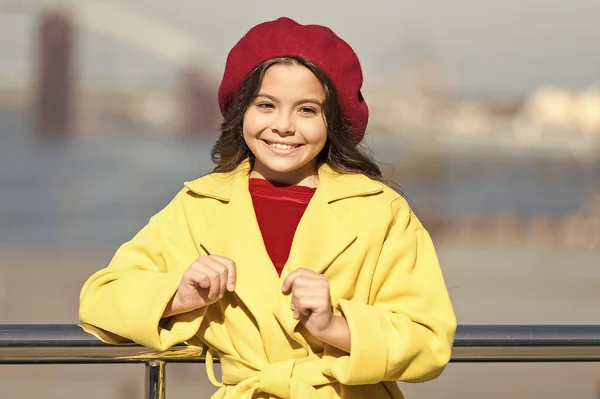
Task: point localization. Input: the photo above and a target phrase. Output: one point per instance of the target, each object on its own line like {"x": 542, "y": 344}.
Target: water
{"x": 93, "y": 195}
{"x": 526, "y": 187}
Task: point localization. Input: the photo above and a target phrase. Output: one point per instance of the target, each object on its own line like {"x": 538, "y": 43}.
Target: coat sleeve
{"x": 125, "y": 301}
{"x": 407, "y": 330}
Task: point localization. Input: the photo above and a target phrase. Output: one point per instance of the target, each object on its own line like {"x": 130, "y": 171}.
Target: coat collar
{"x": 334, "y": 186}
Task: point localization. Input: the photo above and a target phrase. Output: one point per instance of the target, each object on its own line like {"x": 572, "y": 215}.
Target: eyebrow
{"x": 302, "y": 101}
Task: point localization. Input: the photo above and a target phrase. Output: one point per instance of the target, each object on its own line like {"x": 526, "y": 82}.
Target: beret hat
{"x": 318, "y": 44}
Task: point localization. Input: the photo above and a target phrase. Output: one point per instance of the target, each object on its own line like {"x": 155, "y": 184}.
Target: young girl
{"x": 292, "y": 262}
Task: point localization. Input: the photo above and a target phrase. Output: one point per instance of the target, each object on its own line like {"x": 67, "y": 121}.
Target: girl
{"x": 292, "y": 262}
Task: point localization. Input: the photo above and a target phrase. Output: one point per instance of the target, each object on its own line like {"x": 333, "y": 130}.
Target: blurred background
{"x": 486, "y": 113}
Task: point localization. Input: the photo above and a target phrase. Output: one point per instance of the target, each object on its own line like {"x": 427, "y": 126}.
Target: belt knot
{"x": 275, "y": 378}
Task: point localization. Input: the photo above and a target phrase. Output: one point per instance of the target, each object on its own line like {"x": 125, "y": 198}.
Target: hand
{"x": 202, "y": 284}
{"x": 311, "y": 301}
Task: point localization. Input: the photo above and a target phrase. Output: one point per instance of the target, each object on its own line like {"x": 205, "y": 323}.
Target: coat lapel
{"x": 322, "y": 235}
{"x": 234, "y": 233}
{"x": 320, "y": 238}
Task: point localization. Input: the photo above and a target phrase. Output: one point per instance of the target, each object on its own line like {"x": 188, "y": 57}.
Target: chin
{"x": 283, "y": 166}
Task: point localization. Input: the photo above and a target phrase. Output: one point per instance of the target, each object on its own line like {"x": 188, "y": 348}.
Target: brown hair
{"x": 341, "y": 152}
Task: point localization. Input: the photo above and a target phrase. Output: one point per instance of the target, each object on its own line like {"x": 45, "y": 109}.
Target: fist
{"x": 310, "y": 301}
{"x": 204, "y": 283}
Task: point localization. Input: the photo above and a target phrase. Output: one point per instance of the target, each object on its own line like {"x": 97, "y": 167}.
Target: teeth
{"x": 282, "y": 146}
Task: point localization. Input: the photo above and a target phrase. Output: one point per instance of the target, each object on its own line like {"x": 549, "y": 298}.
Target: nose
{"x": 283, "y": 124}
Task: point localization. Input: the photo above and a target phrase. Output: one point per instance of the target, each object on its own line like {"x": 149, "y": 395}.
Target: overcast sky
{"x": 507, "y": 46}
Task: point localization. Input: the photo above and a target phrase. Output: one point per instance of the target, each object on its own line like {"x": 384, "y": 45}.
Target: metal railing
{"x": 66, "y": 343}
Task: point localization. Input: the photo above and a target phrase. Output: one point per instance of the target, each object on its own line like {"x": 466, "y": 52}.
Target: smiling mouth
{"x": 280, "y": 146}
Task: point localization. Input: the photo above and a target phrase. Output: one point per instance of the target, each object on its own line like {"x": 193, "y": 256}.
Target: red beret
{"x": 284, "y": 37}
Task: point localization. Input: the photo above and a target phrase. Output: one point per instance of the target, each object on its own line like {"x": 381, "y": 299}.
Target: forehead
{"x": 293, "y": 80}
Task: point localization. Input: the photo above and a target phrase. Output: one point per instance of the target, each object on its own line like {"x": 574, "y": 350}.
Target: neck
{"x": 288, "y": 178}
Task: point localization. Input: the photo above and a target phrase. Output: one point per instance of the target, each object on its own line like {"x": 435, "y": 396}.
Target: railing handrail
{"x": 68, "y": 343}
{"x": 466, "y": 335}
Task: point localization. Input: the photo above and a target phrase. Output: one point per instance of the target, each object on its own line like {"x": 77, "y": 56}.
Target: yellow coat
{"x": 381, "y": 264}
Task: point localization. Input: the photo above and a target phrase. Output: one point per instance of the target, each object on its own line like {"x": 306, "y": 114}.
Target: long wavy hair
{"x": 341, "y": 151}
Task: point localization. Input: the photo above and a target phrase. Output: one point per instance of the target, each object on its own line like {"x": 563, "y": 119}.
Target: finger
{"x": 222, "y": 271}
{"x": 288, "y": 283}
{"x": 300, "y": 293}
{"x": 215, "y": 284}
{"x": 310, "y": 303}
{"x": 290, "y": 280}
{"x": 303, "y": 310}
{"x": 231, "y": 271}
{"x": 298, "y": 312}
{"x": 303, "y": 278}
{"x": 201, "y": 279}
{"x": 304, "y": 282}
{"x": 213, "y": 288}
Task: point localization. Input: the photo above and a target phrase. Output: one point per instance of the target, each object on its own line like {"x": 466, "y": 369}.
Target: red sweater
{"x": 278, "y": 211}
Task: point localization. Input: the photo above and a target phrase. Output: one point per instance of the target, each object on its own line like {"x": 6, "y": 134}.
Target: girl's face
{"x": 285, "y": 126}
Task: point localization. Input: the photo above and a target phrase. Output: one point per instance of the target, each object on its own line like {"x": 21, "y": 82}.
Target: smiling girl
{"x": 293, "y": 262}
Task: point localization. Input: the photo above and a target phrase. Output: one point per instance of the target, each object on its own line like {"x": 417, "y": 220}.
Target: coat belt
{"x": 289, "y": 379}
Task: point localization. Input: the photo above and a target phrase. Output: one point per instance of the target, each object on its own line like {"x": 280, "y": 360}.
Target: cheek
{"x": 253, "y": 124}
{"x": 315, "y": 133}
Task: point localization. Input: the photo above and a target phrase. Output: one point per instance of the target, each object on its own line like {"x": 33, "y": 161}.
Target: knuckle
{"x": 196, "y": 265}
{"x": 190, "y": 274}
{"x": 201, "y": 260}
{"x": 222, "y": 269}
{"x": 212, "y": 272}
{"x": 304, "y": 302}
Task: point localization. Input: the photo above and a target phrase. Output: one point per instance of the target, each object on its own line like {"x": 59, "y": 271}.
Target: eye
{"x": 308, "y": 110}
{"x": 264, "y": 105}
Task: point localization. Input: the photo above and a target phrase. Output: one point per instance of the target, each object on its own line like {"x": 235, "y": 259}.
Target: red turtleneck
{"x": 278, "y": 211}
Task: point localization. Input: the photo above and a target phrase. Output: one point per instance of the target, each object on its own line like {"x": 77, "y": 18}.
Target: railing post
{"x": 155, "y": 379}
